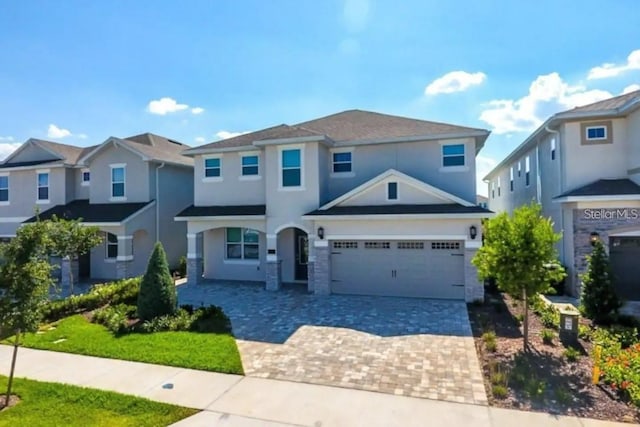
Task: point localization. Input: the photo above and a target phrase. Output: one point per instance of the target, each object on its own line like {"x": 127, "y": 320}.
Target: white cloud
{"x": 223, "y": 134}
{"x": 197, "y": 110}
{"x": 612, "y": 70}
{"x": 58, "y": 133}
{"x": 547, "y": 95}
{"x": 6, "y": 139}
{"x": 200, "y": 139}
{"x": 165, "y": 106}
{"x": 484, "y": 165}
{"x": 8, "y": 148}
{"x": 82, "y": 136}
{"x": 455, "y": 81}
{"x": 355, "y": 14}
{"x": 631, "y": 88}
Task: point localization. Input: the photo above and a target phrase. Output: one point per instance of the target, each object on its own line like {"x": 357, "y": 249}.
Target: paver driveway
{"x": 404, "y": 346}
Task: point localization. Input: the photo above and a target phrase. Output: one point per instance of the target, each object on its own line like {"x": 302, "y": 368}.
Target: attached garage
{"x": 408, "y": 268}
{"x": 624, "y": 255}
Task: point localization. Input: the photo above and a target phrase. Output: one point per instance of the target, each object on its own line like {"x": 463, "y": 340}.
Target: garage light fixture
{"x": 473, "y": 232}
{"x": 321, "y": 233}
{"x": 594, "y": 237}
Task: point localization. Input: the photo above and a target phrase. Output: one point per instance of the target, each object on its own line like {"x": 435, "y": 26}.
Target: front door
{"x": 624, "y": 253}
{"x": 84, "y": 265}
{"x": 301, "y": 246}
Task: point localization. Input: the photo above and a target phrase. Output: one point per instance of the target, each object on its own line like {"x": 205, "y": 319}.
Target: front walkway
{"x": 403, "y": 346}
{"x": 232, "y": 400}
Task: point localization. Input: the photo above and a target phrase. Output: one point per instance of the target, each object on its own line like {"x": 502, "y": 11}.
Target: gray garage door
{"x": 427, "y": 269}
{"x": 624, "y": 254}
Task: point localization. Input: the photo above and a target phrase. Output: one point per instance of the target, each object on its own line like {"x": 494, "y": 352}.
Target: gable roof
{"x": 401, "y": 177}
{"x": 68, "y": 154}
{"x": 617, "y": 106}
{"x": 604, "y": 187}
{"x": 149, "y": 146}
{"x": 349, "y": 127}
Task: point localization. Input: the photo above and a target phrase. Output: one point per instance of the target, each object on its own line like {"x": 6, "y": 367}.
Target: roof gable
{"x": 373, "y": 192}
{"x": 148, "y": 146}
{"x": 32, "y": 150}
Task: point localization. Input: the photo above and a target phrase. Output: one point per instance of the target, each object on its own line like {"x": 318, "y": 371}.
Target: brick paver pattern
{"x": 404, "y": 346}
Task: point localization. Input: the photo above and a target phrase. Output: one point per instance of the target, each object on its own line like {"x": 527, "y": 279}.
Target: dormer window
{"x": 392, "y": 191}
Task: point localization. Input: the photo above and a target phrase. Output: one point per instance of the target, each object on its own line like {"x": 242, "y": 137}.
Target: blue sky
{"x": 78, "y": 72}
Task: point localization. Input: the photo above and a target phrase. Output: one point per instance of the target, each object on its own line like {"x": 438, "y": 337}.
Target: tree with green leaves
{"x": 157, "y": 295}
{"x": 72, "y": 240}
{"x": 517, "y": 252}
{"x": 599, "y": 299}
{"x": 25, "y": 279}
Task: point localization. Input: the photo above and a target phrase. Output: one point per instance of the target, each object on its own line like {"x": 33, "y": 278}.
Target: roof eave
{"x": 475, "y": 215}
{"x": 219, "y": 217}
{"x": 430, "y": 137}
{"x": 294, "y": 140}
{"x": 600, "y": 198}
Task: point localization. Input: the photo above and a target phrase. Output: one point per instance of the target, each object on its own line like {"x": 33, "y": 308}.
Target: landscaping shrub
{"x": 115, "y": 318}
{"x": 490, "y": 341}
{"x": 584, "y": 332}
{"x": 122, "y": 291}
{"x": 599, "y": 300}
{"x": 499, "y": 391}
{"x": 571, "y": 354}
{"x": 549, "y": 315}
{"x": 157, "y": 295}
{"x": 548, "y": 336}
{"x": 621, "y": 370}
{"x": 182, "y": 266}
{"x": 205, "y": 319}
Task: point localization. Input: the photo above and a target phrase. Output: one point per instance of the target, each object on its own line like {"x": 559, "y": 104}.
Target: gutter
{"x": 158, "y": 201}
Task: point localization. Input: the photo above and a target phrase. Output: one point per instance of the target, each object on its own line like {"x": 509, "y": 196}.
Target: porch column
{"x": 322, "y": 268}
{"x": 125, "y": 256}
{"x": 194, "y": 258}
{"x": 311, "y": 260}
{"x": 66, "y": 265}
{"x": 274, "y": 265}
{"x": 473, "y": 287}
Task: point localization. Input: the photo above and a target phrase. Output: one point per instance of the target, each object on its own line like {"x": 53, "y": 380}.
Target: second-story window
{"x": 43, "y": 186}
{"x": 250, "y": 165}
{"x": 553, "y": 149}
{"x": 213, "y": 167}
{"x": 341, "y": 162}
{"x": 511, "y": 179}
{"x": 596, "y": 132}
{"x": 392, "y": 191}
{"x": 527, "y": 171}
{"x": 519, "y": 169}
{"x": 291, "y": 168}
{"x": 118, "y": 181}
{"x": 493, "y": 190}
{"x": 499, "y": 186}
{"x": 4, "y": 188}
{"x": 453, "y": 155}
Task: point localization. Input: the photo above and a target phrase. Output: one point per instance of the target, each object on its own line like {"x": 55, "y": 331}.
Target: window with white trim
{"x": 4, "y": 188}
{"x": 213, "y": 167}
{"x": 392, "y": 191}
{"x": 111, "y": 246}
{"x": 498, "y": 186}
{"x": 43, "y": 185}
{"x": 527, "y": 171}
{"x": 242, "y": 243}
{"x": 511, "y": 179}
{"x": 250, "y": 165}
{"x": 453, "y": 155}
{"x": 342, "y": 162}
{"x": 86, "y": 177}
{"x": 117, "y": 181}
{"x": 291, "y": 173}
{"x": 553, "y": 148}
{"x": 519, "y": 168}
{"x": 594, "y": 133}
{"x": 493, "y": 189}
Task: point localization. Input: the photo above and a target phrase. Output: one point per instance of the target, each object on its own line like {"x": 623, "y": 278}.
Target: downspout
{"x": 158, "y": 201}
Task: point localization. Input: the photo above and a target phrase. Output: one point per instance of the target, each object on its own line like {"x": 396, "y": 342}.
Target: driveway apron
{"x": 403, "y": 346}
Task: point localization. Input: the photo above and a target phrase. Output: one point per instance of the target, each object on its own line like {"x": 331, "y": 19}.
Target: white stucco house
{"x": 583, "y": 167}
{"x": 356, "y": 203}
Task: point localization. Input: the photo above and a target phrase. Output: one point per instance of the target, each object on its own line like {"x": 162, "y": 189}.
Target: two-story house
{"x": 583, "y": 167}
{"x": 356, "y": 202}
{"x": 131, "y": 188}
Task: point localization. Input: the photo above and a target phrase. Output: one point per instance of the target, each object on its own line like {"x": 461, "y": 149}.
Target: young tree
{"x": 157, "y": 295}
{"x": 599, "y": 298}
{"x": 517, "y": 252}
{"x": 72, "y": 240}
{"x": 25, "y": 278}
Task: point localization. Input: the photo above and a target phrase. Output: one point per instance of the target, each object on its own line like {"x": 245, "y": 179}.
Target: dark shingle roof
{"x": 32, "y": 163}
{"x": 608, "y": 104}
{"x": 97, "y": 212}
{"x": 605, "y": 187}
{"x": 351, "y": 125}
{"x": 400, "y": 210}
{"x": 70, "y": 153}
{"x": 223, "y": 210}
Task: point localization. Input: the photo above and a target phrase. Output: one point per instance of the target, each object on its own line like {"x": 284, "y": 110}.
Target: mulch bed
{"x": 567, "y": 387}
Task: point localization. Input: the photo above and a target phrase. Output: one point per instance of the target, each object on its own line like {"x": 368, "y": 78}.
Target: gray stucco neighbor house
{"x": 356, "y": 203}
{"x": 583, "y": 167}
{"x": 131, "y": 188}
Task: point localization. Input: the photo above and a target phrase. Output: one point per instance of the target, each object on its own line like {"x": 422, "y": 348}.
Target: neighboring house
{"x": 131, "y": 188}
{"x": 583, "y": 167}
{"x": 482, "y": 201}
{"x": 356, "y": 202}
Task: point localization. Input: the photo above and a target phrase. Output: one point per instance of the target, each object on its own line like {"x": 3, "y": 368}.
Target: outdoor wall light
{"x": 321, "y": 233}
{"x": 594, "y": 237}
{"x": 473, "y": 232}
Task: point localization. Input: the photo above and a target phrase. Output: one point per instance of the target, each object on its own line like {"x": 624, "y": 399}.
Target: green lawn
{"x": 49, "y": 404}
{"x": 206, "y": 351}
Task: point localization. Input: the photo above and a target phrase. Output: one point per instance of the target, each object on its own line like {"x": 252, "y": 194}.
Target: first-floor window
{"x": 43, "y": 186}
{"x": 111, "y": 243}
{"x": 4, "y": 188}
{"x": 242, "y": 243}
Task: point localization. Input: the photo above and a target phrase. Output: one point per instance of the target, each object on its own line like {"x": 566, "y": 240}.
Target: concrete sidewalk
{"x": 232, "y": 400}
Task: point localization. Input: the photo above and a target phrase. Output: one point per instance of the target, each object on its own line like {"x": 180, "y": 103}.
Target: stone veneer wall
{"x": 194, "y": 271}
{"x": 473, "y": 287}
{"x": 322, "y": 271}
{"x": 273, "y": 275}
{"x": 582, "y": 229}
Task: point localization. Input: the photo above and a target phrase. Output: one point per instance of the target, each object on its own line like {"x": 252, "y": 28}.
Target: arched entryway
{"x": 293, "y": 254}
